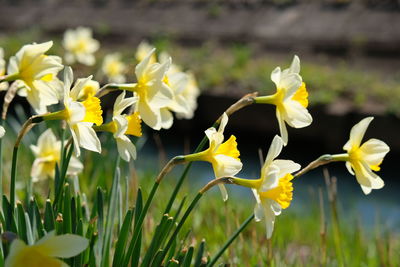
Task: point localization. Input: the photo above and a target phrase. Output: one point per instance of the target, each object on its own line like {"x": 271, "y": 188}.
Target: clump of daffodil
{"x": 46, "y": 251}
{"x": 273, "y": 190}
{"x": 152, "y": 92}
{"x": 183, "y": 85}
{"x": 224, "y": 156}
{"x": 89, "y": 88}
{"x": 114, "y": 68}
{"x": 80, "y": 46}
{"x": 47, "y": 153}
{"x": 37, "y": 72}
{"x": 79, "y": 115}
{"x": 363, "y": 159}
{"x": 290, "y": 99}
{"x": 3, "y": 85}
{"x": 123, "y": 125}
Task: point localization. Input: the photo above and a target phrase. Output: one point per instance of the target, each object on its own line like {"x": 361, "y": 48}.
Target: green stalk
{"x": 25, "y": 128}
{"x": 230, "y": 240}
{"x": 1, "y": 162}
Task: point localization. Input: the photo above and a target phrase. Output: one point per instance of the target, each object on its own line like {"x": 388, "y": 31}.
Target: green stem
{"x": 9, "y": 78}
{"x": 25, "y": 129}
{"x": 230, "y": 240}
{"x": 13, "y": 175}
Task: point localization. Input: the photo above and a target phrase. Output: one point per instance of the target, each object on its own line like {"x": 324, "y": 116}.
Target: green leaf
{"x": 135, "y": 244}
{"x": 48, "y": 217}
{"x": 122, "y": 238}
{"x": 188, "y": 257}
{"x": 199, "y": 256}
{"x": 21, "y": 223}
{"x": 67, "y": 216}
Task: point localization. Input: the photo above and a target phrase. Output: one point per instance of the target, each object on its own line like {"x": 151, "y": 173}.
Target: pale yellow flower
{"x": 38, "y": 73}
{"x": 273, "y": 190}
{"x": 114, "y": 68}
{"x": 123, "y": 125}
{"x": 79, "y": 115}
{"x": 46, "y": 251}
{"x": 80, "y": 46}
{"x": 224, "y": 156}
{"x": 290, "y": 99}
{"x": 152, "y": 93}
{"x": 47, "y": 153}
{"x": 365, "y": 158}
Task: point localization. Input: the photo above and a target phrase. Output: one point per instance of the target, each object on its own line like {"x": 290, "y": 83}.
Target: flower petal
{"x": 357, "y": 133}
{"x": 62, "y": 246}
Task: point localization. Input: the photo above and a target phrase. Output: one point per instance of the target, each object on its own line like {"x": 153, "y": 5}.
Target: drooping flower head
{"x": 80, "y": 46}
{"x": 224, "y": 156}
{"x": 47, "y": 153}
{"x": 290, "y": 99}
{"x": 114, "y": 68}
{"x": 38, "y": 73}
{"x": 79, "y": 115}
{"x": 46, "y": 251}
{"x": 123, "y": 125}
{"x": 364, "y": 159}
{"x": 273, "y": 190}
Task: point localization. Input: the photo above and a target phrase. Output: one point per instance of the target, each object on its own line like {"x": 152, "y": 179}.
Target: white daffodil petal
{"x": 166, "y": 118}
{"x": 357, "y": 133}
{"x": 274, "y": 150}
{"x": 63, "y": 246}
{"x": 276, "y": 76}
{"x": 296, "y": 115}
{"x": 270, "y": 178}
{"x": 286, "y": 166}
{"x": 224, "y": 193}
{"x": 374, "y": 151}
{"x": 126, "y": 148}
{"x": 226, "y": 166}
{"x": 282, "y": 127}
{"x": 87, "y": 137}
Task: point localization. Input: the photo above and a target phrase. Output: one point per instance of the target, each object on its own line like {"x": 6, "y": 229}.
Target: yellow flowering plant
{"x": 72, "y": 227}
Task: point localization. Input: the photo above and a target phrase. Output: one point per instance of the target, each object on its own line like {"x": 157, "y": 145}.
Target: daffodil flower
{"x": 363, "y": 159}
{"x": 47, "y": 153}
{"x": 290, "y": 99}
{"x": 224, "y": 156}
{"x": 123, "y": 125}
{"x": 80, "y": 116}
{"x": 46, "y": 251}
{"x": 114, "y": 68}
{"x": 80, "y": 46}
{"x": 183, "y": 85}
{"x": 38, "y": 73}
{"x": 273, "y": 191}
{"x": 152, "y": 93}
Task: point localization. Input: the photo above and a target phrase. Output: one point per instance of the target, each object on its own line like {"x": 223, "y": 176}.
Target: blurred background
{"x": 350, "y": 59}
